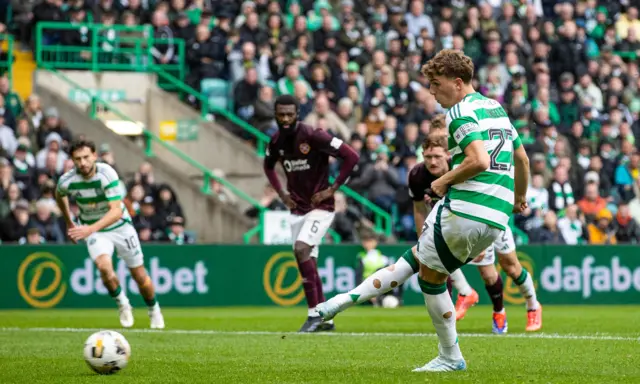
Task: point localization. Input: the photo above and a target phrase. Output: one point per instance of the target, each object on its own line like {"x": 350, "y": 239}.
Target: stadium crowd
{"x": 33, "y": 155}
{"x": 566, "y": 72}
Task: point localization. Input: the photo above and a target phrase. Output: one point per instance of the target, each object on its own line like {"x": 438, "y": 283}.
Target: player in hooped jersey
{"x": 477, "y": 197}
{"x": 105, "y": 224}
{"x": 420, "y": 179}
{"x": 304, "y": 153}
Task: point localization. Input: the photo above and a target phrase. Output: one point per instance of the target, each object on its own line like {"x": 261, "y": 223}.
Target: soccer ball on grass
{"x": 107, "y": 352}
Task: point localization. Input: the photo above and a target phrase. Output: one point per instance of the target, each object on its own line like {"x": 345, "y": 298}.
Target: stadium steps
{"x": 212, "y": 220}
{"x": 215, "y": 148}
{"x": 23, "y": 69}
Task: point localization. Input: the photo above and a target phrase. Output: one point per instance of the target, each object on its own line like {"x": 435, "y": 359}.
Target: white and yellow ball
{"x": 107, "y": 352}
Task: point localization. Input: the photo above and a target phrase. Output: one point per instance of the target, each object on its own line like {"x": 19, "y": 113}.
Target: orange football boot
{"x": 464, "y": 303}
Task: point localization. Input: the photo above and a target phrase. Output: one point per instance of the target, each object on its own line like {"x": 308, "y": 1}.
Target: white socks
{"x": 312, "y": 312}
{"x": 528, "y": 291}
{"x": 443, "y": 316}
{"x": 460, "y": 283}
{"x": 121, "y": 299}
{"x": 380, "y": 282}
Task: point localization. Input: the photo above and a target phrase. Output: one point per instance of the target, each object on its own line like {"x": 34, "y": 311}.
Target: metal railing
{"x": 152, "y": 139}
{"x": 99, "y": 47}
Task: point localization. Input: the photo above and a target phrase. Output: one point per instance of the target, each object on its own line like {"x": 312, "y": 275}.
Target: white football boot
{"x": 126, "y": 315}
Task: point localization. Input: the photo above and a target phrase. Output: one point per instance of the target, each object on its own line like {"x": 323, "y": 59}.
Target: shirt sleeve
{"x": 516, "y": 139}
{"x": 110, "y": 183}
{"x": 271, "y": 155}
{"x": 416, "y": 193}
{"x": 464, "y": 130}
{"x": 62, "y": 188}
{"x": 326, "y": 143}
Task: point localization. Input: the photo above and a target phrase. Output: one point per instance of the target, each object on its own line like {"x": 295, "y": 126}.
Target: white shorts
{"x": 504, "y": 244}
{"x": 311, "y": 228}
{"x": 451, "y": 241}
{"x": 123, "y": 239}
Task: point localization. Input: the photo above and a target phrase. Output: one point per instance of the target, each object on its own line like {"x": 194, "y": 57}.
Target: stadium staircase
{"x": 211, "y": 219}
{"x": 21, "y": 67}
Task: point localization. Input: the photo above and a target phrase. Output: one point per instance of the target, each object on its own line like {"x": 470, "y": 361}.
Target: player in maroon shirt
{"x": 304, "y": 154}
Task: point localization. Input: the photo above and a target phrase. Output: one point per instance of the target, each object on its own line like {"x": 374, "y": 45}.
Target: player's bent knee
{"x": 488, "y": 273}
{"x": 104, "y": 264}
{"x": 140, "y": 275}
{"x": 431, "y": 276}
{"x": 302, "y": 251}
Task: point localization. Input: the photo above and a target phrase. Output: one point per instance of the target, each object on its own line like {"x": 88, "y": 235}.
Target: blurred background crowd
{"x": 565, "y": 71}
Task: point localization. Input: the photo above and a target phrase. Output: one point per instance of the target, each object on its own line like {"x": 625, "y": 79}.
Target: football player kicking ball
{"x": 304, "y": 154}
{"x": 506, "y": 248}
{"x": 106, "y": 226}
{"x": 479, "y": 195}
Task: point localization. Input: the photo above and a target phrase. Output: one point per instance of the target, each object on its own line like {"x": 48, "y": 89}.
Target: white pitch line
{"x": 555, "y": 336}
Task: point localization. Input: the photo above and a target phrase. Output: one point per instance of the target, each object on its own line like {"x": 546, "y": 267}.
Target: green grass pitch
{"x": 579, "y": 344}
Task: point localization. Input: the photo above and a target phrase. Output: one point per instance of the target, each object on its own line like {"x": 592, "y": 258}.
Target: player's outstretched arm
{"x": 476, "y": 160}
{"x": 521, "y": 179}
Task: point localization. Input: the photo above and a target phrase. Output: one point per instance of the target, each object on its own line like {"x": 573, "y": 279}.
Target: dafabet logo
{"x": 281, "y": 279}
{"x": 41, "y": 280}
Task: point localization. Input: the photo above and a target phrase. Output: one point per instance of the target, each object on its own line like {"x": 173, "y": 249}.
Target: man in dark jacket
{"x": 245, "y": 94}
{"x": 626, "y": 228}
{"x": 14, "y": 227}
{"x": 201, "y": 57}
{"x": 568, "y": 54}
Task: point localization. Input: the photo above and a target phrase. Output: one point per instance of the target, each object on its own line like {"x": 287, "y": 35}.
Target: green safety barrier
{"x": 107, "y": 48}
{"x": 130, "y": 50}
{"x": 236, "y": 275}
{"x": 152, "y": 140}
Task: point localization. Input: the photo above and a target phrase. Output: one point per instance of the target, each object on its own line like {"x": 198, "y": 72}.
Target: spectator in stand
{"x": 560, "y": 190}
{"x": 246, "y": 94}
{"x": 592, "y": 203}
{"x": 549, "y": 233}
{"x": 163, "y": 52}
{"x": 14, "y": 227}
{"x": 379, "y": 180}
{"x": 145, "y": 178}
{"x": 52, "y": 123}
{"x": 105, "y": 155}
{"x": 176, "y": 233}
{"x": 149, "y": 217}
{"x": 263, "y": 113}
{"x": 602, "y": 231}
{"x": 572, "y": 226}
{"x": 46, "y": 223}
{"x": 9, "y": 201}
{"x": 322, "y": 111}
{"x": 167, "y": 205}
{"x": 8, "y": 141}
{"x": 33, "y": 236}
{"x": 202, "y": 58}
{"x": 627, "y": 229}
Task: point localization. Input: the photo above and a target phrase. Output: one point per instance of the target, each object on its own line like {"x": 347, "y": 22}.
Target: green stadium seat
{"x": 215, "y": 88}
{"x": 221, "y": 102}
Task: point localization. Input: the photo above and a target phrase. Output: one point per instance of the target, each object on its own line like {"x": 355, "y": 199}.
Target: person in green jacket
{"x": 370, "y": 260}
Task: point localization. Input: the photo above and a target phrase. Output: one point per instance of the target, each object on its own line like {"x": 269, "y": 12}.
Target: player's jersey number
{"x": 499, "y": 134}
